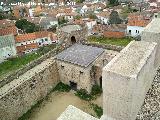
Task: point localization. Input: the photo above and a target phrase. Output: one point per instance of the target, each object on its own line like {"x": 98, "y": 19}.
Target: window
{"x": 21, "y": 43}
{"x": 62, "y": 67}
{"x": 81, "y": 72}
{"x": 46, "y": 39}
{"x": 129, "y": 31}
{"x": 136, "y": 31}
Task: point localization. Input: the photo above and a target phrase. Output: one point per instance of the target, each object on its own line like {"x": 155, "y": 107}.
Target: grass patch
{"x": 111, "y": 41}
{"x": 13, "y": 64}
{"x": 61, "y": 87}
{"x": 84, "y": 95}
{"x": 97, "y": 109}
{"x": 96, "y": 90}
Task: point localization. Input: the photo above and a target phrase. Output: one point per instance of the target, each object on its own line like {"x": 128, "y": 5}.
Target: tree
{"x": 79, "y": 1}
{"x": 2, "y": 16}
{"x": 114, "y": 18}
{"x": 78, "y": 17}
{"x": 62, "y": 21}
{"x": 27, "y": 26}
{"x": 113, "y": 2}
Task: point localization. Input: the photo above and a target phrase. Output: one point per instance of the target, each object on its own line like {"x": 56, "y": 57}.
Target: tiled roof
{"x": 140, "y": 23}
{"x": 31, "y": 36}
{"x": 104, "y": 14}
{"x": 26, "y": 47}
{"x": 137, "y": 19}
{"x": 8, "y": 30}
{"x": 6, "y": 23}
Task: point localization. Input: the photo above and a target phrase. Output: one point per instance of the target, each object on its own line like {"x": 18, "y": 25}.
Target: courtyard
{"x": 110, "y": 41}
{"x": 54, "y": 104}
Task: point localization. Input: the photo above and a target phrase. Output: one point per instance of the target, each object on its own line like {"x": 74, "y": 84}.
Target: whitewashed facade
{"x": 7, "y": 47}
{"x": 134, "y": 30}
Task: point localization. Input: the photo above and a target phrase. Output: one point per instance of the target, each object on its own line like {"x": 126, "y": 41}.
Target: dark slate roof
{"x": 81, "y": 55}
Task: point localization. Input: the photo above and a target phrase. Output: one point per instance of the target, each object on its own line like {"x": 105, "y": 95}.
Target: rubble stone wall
{"x": 74, "y": 73}
{"x": 17, "y": 97}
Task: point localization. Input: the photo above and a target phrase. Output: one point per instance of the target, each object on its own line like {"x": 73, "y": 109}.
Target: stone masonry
{"x": 65, "y": 33}
{"x": 17, "y": 97}
{"x": 126, "y": 80}
{"x": 152, "y": 34}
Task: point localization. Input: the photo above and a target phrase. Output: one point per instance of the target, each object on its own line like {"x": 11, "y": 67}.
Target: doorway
{"x": 73, "y": 85}
{"x": 73, "y": 40}
{"x": 100, "y": 81}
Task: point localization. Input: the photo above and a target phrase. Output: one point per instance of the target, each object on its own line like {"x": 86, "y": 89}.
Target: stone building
{"x": 7, "y": 47}
{"x": 126, "y": 80}
{"x": 70, "y": 34}
{"x": 80, "y": 66}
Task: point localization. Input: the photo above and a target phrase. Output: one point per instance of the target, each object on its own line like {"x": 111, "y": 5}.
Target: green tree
{"x": 78, "y": 17}
{"x": 2, "y": 16}
{"x": 114, "y": 18}
{"x": 79, "y": 1}
{"x": 113, "y": 2}
{"x": 62, "y": 21}
{"x": 27, "y": 26}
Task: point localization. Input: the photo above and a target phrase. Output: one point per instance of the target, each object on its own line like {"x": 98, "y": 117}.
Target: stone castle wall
{"x": 65, "y": 38}
{"x": 126, "y": 80}
{"x": 74, "y": 73}
{"x": 27, "y": 67}
{"x": 17, "y": 97}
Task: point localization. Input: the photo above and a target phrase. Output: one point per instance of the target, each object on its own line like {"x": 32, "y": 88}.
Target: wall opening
{"x": 100, "y": 81}
{"x": 73, "y": 40}
{"x": 73, "y": 85}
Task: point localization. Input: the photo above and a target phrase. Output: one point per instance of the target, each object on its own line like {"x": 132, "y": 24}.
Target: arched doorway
{"x": 73, "y": 40}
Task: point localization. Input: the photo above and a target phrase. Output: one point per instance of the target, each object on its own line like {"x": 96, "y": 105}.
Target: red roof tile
{"x": 31, "y": 36}
{"x": 8, "y": 30}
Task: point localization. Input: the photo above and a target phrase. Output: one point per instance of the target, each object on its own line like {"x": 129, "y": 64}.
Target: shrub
{"x": 96, "y": 90}
{"x": 98, "y": 110}
{"x": 83, "y": 94}
{"x": 62, "y": 87}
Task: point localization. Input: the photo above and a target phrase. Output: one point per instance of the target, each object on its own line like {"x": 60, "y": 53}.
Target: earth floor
{"x": 57, "y": 102}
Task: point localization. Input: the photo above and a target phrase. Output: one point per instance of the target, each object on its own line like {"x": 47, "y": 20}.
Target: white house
{"x": 89, "y": 23}
{"x": 134, "y": 30}
{"x": 27, "y": 43}
{"x": 103, "y": 17}
{"x": 7, "y": 47}
{"x": 84, "y": 9}
{"x": 31, "y": 12}
{"x": 136, "y": 24}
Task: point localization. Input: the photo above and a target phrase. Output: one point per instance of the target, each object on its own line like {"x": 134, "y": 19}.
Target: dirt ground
{"x": 57, "y": 102}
